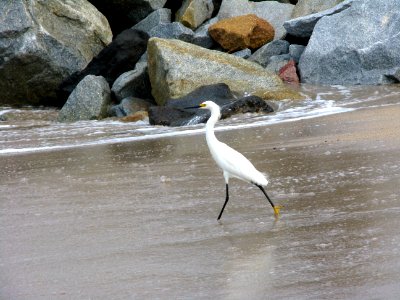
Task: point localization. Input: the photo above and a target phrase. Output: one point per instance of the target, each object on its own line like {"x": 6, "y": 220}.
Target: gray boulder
{"x": 274, "y": 12}
{"x": 90, "y": 100}
{"x": 135, "y": 83}
{"x": 173, "y": 30}
{"x": 160, "y": 16}
{"x": 360, "y": 45}
{"x": 304, "y": 26}
{"x": 263, "y": 55}
{"x": 36, "y": 50}
{"x": 176, "y": 68}
{"x": 308, "y": 7}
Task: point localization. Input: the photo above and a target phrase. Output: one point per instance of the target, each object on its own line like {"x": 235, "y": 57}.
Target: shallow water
{"x": 36, "y": 130}
{"x": 129, "y": 212}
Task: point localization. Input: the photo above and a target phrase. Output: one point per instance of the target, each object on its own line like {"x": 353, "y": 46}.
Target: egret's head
{"x": 205, "y": 105}
{"x": 208, "y": 105}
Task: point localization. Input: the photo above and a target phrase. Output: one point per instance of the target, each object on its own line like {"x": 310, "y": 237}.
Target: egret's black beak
{"x": 191, "y": 107}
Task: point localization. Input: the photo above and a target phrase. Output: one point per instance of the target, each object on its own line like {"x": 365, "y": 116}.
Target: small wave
{"x": 156, "y": 133}
{"x": 36, "y": 136}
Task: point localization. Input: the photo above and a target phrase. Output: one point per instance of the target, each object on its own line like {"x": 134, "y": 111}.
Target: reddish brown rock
{"x": 237, "y": 33}
{"x": 288, "y": 73}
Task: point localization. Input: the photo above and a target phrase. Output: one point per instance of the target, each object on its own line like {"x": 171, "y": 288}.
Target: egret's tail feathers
{"x": 262, "y": 179}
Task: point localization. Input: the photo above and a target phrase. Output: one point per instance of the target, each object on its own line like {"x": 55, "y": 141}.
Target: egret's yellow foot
{"x": 277, "y": 209}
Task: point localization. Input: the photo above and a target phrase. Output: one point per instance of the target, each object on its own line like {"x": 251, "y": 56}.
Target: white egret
{"x": 233, "y": 163}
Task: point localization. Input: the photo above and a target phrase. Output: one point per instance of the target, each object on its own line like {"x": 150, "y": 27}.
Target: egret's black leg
{"x": 265, "y": 193}
{"x": 226, "y": 201}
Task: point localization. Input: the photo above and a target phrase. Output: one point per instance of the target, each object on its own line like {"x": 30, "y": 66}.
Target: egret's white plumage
{"x": 233, "y": 163}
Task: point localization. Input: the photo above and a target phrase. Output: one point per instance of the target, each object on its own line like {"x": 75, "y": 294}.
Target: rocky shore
{"x": 98, "y": 59}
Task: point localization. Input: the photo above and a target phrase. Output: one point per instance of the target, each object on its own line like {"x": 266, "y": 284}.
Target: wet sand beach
{"x": 138, "y": 220}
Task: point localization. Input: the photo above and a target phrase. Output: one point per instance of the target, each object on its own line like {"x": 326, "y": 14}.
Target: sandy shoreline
{"x": 138, "y": 220}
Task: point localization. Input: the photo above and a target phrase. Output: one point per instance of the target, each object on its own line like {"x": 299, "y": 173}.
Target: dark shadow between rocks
{"x": 118, "y": 57}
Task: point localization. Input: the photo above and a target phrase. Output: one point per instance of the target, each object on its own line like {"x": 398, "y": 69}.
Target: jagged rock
{"x": 274, "y": 12}
{"x": 262, "y": 56}
{"x": 296, "y": 51}
{"x": 160, "y": 16}
{"x": 118, "y": 57}
{"x": 173, "y": 30}
{"x": 176, "y": 68}
{"x": 288, "y": 73}
{"x": 308, "y": 7}
{"x": 194, "y": 12}
{"x": 237, "y": 33}
{"x": 36, "y": 50}
{"x": 134, "y": 83}
{"x": 304, "y": 26}
{"x": 359, "y": 45}
{"x": 172, "y": 116}
{"x": 123, "y": 14}
{"x": 89, "y": 100}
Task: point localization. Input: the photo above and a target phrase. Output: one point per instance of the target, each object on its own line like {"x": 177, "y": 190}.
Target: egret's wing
{"x": 237, "y": 165}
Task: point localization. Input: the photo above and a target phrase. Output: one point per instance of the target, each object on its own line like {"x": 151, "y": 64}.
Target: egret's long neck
{"x": 210, "y": 136}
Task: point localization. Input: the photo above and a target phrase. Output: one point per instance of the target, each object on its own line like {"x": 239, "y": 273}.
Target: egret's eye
{"x": 202, "y": 105}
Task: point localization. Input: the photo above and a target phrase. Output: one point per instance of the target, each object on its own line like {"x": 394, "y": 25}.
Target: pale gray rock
{"x": 160, "y": 16}
{"x": 262, "y": 56}
{"x": 36, "y": 50}
{"x": 274, "y": 12}
{"x": 304, "y": 26}
{"x": 173, "y": 30}
{"x": 90, "y": 100}
{"x": 360, "y": 45}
